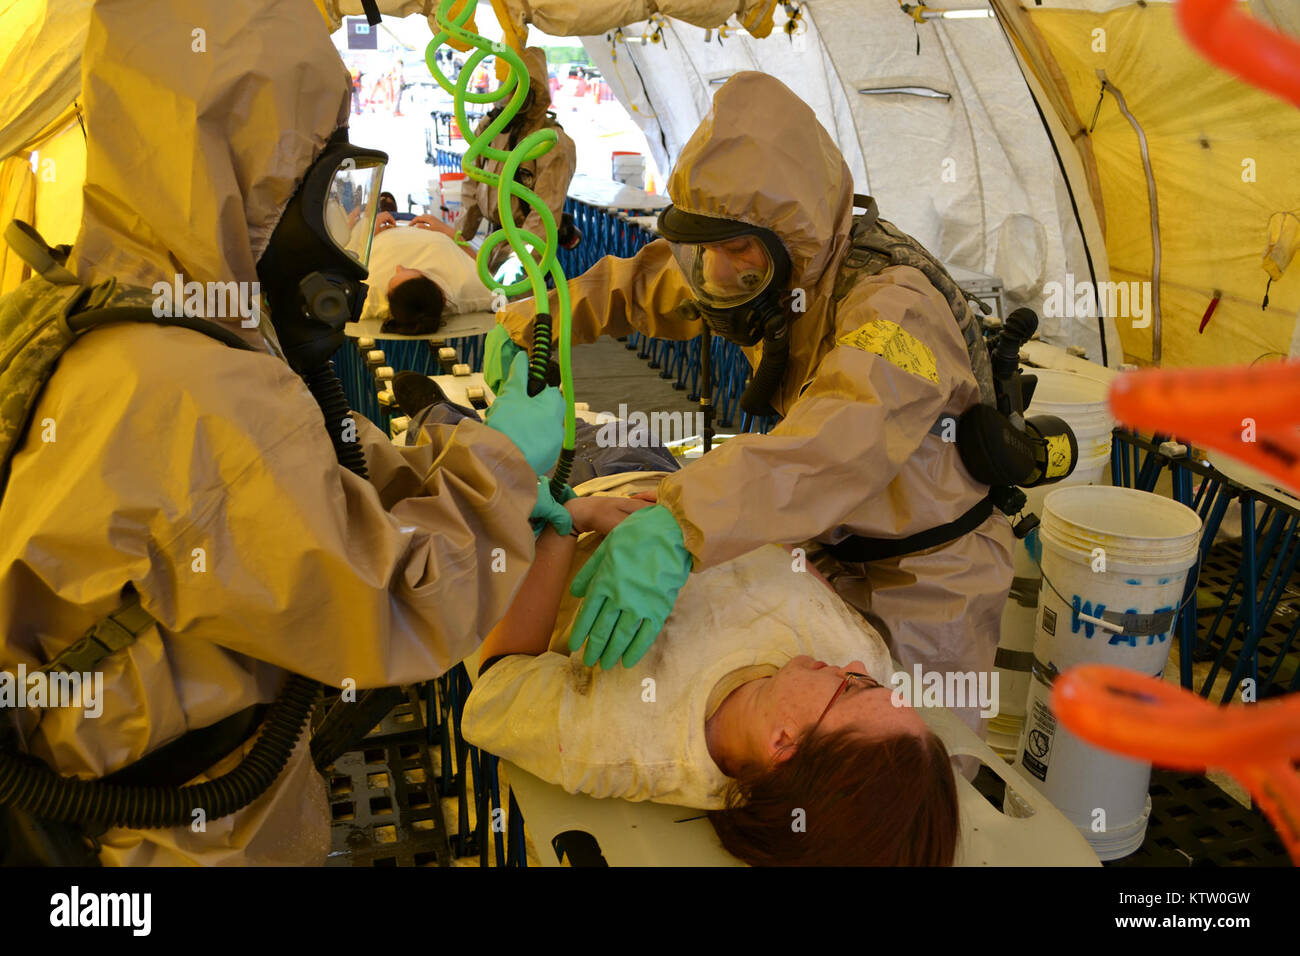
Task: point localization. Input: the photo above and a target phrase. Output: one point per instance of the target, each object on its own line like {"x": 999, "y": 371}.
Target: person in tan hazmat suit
{"x": 182, "y": 466}
{"x": 548, "y": 176}
{"x": 756, "y": 241}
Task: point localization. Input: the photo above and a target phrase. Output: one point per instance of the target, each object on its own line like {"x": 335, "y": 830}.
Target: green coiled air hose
{"x": 539, "y": 260}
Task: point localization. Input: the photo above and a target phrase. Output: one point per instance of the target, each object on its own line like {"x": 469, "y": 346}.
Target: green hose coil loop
{"x": 529, "y": 148}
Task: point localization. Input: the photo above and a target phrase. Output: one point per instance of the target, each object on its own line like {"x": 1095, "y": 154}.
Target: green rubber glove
{"x": 549, "y": 511}
{"x": 535, "y": 424}
{"x": 499, "y": 353}
{"x": 630, "y": 585}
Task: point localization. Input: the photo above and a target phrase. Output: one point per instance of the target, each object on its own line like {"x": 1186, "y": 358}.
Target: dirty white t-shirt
{"x": 432, "y": 253}
{"x": 639, "y": 734}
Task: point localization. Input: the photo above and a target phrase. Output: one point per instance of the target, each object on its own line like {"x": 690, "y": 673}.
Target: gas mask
{"x": 313, "y": 269}
{"x": 736, "y": 281}
{"x": 737, "y": 274}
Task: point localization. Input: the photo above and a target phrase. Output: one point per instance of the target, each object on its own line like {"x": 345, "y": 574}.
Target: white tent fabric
{"x": 971, "y": 174}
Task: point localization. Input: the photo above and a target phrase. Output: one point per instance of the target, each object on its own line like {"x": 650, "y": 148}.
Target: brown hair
{"x": 415, "y": 307}
{"x": 864, "y": 802}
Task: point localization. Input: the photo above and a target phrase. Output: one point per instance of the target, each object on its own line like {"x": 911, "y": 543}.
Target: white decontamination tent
{"x": 934, "y": 119}
{"x": 1055, "y": 144}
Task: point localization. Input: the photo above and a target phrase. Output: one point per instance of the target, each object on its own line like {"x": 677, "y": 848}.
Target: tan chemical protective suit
{"x": 865, "y": 383}
{"x": 548, "y": 176}
{"x": 202, "y": 474}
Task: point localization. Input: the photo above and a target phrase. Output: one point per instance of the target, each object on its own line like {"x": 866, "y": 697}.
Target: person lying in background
{"x": 735, "y": 709}
{"x": 388, "y": 204}
{"x": 418, "y": 274}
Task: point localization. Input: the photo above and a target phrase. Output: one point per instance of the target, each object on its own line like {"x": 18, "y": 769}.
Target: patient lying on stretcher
{"x": 742, "y": 707}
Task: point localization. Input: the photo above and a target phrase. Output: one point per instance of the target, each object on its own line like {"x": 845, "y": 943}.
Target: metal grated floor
{"x": 384, "y": 797}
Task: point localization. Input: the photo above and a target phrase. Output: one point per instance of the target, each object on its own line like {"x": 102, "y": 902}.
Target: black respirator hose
{"x": 539, "y": 376}
{"x": 29, "y": 784}
{"x": 757, "y": 397}
{"x": 540, "y": 360}
{"x": 1004, "y": 359}
{"x": 326, "y": 388}
{"x": 706, "y": 385}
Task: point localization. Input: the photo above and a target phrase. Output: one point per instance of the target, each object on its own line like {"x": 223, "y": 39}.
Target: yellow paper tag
{"x": 1058, "y": 455}
{"x": 895, "y": 345}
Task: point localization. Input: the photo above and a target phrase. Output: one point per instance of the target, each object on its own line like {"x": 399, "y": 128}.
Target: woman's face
{"x": 797, "y": 695}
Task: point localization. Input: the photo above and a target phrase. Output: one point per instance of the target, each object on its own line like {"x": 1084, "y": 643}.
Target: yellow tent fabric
{"x": 1283, "y": 240}
{"x": 41, "y": 184}
{"x": 1222, "y": 156}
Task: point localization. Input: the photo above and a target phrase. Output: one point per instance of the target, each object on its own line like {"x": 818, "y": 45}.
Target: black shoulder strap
{"x": 93, "y": 318}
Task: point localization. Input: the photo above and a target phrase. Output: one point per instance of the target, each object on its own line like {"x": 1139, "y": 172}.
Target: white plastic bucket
{"x": 449, "y": 189}
{"x": 1080, "y": 401}
{"x": 1019, "y": 622}
{"x": 1104, "y": 551}
{"x": 1111, "y": 844}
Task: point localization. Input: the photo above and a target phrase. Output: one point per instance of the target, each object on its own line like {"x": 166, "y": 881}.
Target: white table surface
{"x": 608, "y": 194}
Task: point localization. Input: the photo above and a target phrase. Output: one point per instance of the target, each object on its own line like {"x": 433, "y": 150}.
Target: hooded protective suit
{"x": 202, "y": 474}
{"x": 548, "y": 176}
{"x": 867, "y": 378}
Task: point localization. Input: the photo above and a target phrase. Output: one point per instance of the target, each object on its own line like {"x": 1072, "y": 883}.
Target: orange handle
{"x": 1250, "y": 413}
{"x": 1150, "y": 719}
{"x": 1242, "y": 45}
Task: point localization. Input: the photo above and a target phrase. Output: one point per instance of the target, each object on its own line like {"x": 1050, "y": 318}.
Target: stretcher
{"x": 457, "y": 326}
{"x": 656, "y": 834}
{"x": 470, "y": 390}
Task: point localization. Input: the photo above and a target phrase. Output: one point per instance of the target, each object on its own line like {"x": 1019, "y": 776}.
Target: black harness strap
{"x": 857, "y": 549}
{"x": 189, "y": 755}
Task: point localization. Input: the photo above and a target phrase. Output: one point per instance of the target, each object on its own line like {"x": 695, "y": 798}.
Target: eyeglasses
{"x": 850, "y": 677}
{"x": 865, "y": 680}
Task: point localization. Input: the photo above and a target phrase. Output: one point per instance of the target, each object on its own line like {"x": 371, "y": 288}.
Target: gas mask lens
{"x": 727, "y": 273}
{"x": 352, "y": 204}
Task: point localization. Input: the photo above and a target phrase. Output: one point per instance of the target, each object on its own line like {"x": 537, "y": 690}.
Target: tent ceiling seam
{"x": 853, "y": 116}
{"x": 1155, "y": 214}
{"x": 943, "y": 43}
{"x": 645, "y": 91}
{"x": 1026, "y": 70}
{"x": 1040, "y": 59}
